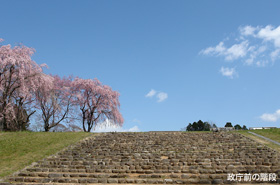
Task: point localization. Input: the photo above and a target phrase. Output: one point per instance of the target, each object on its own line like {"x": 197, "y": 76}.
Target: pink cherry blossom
{"x": 97, "y": 102}
{"x": 55, "y": 101}
{"x": 20, "y": 77}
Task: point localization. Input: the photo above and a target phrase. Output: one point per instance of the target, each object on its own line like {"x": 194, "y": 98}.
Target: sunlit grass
{"x": 273, "y": 134}
{"x": 20, "y": 149}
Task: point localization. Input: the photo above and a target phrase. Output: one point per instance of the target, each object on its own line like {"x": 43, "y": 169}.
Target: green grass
{"x": 20, "y": 149}
{"x": 273, "y": 134}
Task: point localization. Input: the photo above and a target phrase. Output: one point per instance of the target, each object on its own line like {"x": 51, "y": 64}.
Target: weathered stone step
{"x": 148, "y": 158}
{"x": 126, "y": 181}
{"x": 188, "y": 180}
{"x": 119, "y": 175}
{"x": 154, "y": 168}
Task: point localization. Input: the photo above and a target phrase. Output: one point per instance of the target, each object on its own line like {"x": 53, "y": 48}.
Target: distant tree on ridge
{"x": 228, "y": 124}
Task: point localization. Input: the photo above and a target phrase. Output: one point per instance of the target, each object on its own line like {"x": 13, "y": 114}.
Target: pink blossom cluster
{"x": 25, "y": 89}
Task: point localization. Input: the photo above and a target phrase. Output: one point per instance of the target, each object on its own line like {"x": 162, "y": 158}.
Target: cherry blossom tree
{"x": 20, "y": 77}
{"x": 97, "y": 102}
{"x": 55, "y": 101}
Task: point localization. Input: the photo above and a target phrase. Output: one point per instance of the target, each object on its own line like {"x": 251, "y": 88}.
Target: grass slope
{"x": 20, "y": 149}
{"x": 273, "y": 134}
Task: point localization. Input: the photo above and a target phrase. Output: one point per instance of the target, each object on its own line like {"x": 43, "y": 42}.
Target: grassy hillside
{"x": 273, "y": 134}
{"x": 19, "y": 149}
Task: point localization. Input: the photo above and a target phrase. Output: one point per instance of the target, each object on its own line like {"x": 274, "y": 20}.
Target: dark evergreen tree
{"x": 244, "y": 127}
{"x": 200, "y": 125}
{"x": 189, "y": 127}
{"x": 237, "y": 127}
{"x": 195, "y": 126}
{"x": 228, "y": 124}
{"x": 207, "y": 126}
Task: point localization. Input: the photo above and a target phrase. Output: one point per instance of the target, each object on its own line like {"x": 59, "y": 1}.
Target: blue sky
{"x": 216, "y": 61}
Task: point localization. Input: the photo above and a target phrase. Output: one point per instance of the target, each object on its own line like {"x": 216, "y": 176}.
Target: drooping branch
{"x": 55, "y": 101}
{"x": 19, "y": 78}
{"x": 96, "y": 102}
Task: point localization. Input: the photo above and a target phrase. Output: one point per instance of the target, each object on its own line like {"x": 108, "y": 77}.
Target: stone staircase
{"x": 154, "y": 158}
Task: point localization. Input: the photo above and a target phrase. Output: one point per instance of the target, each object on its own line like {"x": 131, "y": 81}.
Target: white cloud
{"x": 220, "y": 48}
{"x": 228, "y": 72}
{"x": 271, "y": 117}
{"x": 133, "y": 129}
{"x": 255, "y": 52}
{"x": 162, "y": 96}
{"x": 117, "y": 129}
{"x": 248, "y": 30}
{"x": 261, "y": 49}
{"x": 254, "y": 46}
{"x": 262, "y": 63}
{"x": 275, "y": 54}
{"x": 269, "y": 33}
{"x": 250, "y": 60}
{"x": 234, "y": 52}
{"x": 151, "y": 93}
{"x": 237, "y": 51}
{"x": 108, "y": 126}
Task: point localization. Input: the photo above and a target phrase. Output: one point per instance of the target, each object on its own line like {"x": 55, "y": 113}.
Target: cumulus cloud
{"x": 269, "y": 33}
{"x": 248, "y": 30}
{"x": 161, "y": 96}
{"x": 237, "y": 51}
{"x": 117, "y": 129}
{"x": 271, "y": 117}
{"x": 219, "y": 49}
{"x": 275, "y": 54}
{"x": 228, "y": 72}
{"x": 232, "y": 53}
{"x": 151, "y": 93}
{"x": 254, "y": 54}
{"x": 108, "y": 126}
{"x": 257, "y": 46}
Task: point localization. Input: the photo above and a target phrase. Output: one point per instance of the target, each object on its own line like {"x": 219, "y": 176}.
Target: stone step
{"x": 114, "y": 175}
{"x": 153, "y": 158}
{"x": 155, "y": 162}
{"x": 188, "y": 180}
{"x": 196, "y": 180}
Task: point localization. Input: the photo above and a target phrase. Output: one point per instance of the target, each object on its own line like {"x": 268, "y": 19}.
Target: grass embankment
{"x": 20, "y": 149}
{"x": 273, "y": 134}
